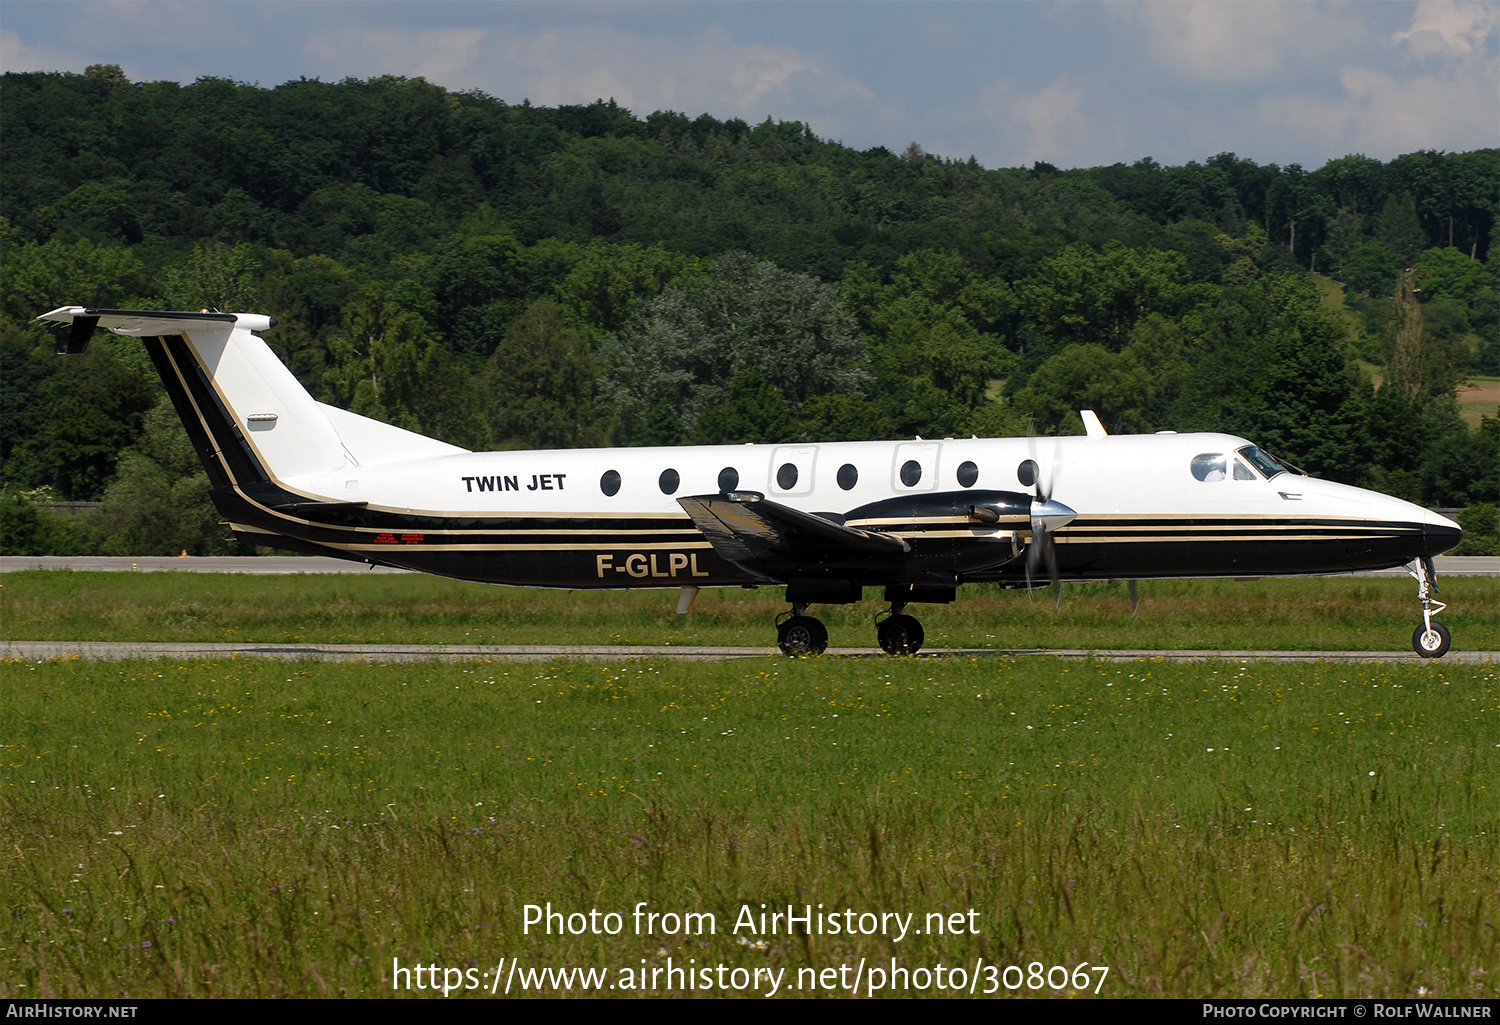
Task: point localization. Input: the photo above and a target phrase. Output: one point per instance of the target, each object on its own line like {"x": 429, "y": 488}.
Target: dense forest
{"x": 504, "y": 276}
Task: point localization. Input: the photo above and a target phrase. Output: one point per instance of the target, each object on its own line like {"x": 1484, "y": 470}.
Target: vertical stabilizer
{"x": 249, "y": 419}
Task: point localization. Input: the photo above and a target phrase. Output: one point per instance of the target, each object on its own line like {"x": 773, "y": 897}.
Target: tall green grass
{"x": 1352, "y": 614}
{"x": 1228, "y": 829}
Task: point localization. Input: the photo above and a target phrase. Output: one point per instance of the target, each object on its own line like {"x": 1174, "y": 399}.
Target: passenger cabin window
{"x": 609, "y": 483}
{"x": 1209, "y": 467}
{"x": 793, "y": 469}
{"x": 915, "y": 466}
{"x": 668, "y": 481}
{"x": 848, "y": 476}
{"x": 968, "y": 474}
{"x": 729, "y": 479}
{"x": 1026, "y": 473}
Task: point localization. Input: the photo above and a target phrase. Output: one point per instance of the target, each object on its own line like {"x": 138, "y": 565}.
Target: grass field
{"x": 1323, "y": 614}
{"x": 1231, "y": 829}
{"x": 1479, "y": 397}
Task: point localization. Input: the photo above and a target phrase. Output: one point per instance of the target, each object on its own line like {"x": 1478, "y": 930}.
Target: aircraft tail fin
{"x": 249, "y": 418}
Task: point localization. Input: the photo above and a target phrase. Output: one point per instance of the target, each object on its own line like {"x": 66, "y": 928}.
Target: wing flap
{"x": 744, "y": 527}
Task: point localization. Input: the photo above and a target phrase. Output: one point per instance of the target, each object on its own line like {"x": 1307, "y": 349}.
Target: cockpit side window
{"x": 1242, "y": 472}
{"x": 1209, "y": 467}
{"x": 1267, "y": 466}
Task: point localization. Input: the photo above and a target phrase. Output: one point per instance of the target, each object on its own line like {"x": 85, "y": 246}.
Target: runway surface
{"x": 1447, "y": 565}
{"x": 115, "y": 650}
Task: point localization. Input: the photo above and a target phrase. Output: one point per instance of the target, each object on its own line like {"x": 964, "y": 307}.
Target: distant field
{"x": 1479, "y": 397}
{"x": 1236, "y": 830}
{"x": 1338, "y": 613}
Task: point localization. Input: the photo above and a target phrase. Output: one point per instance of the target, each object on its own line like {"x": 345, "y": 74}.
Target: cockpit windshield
{"x": 1262, "y": 462}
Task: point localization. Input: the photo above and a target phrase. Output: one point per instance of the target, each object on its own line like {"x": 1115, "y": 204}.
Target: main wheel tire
{"x": 900, "y": 635}
{"x": 1432, "y": 643}
{"x": 802, "y": 635}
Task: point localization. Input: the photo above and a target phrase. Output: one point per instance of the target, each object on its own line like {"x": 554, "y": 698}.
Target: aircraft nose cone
{"x": 1440, "y": 534}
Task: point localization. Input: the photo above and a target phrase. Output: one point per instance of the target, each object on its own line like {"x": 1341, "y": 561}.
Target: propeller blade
{"x": 1135, "y": 598}
{"x": 1052, "y": 572}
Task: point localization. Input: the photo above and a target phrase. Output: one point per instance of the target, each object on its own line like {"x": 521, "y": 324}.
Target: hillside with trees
{"x": 513, "y": 276}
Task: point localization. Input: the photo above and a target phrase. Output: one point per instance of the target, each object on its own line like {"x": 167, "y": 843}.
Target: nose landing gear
{"x": 1431, "y": 639}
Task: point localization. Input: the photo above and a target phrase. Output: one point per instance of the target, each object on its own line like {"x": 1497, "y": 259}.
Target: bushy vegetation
{"x": 516, "y": 276}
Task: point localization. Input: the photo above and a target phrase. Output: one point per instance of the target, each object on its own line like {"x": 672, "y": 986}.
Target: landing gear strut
{"x": 899, "y": 634}
{"x": 1431, "y": 639}
{"x": 801, "y": 634}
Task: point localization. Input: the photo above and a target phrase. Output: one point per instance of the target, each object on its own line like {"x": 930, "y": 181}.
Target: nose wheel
{"x": 1431, "y": 639}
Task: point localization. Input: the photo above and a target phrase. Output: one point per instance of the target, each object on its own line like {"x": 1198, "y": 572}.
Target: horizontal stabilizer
{"x": 744, "y": 527}
{"x": 142, "y": 323}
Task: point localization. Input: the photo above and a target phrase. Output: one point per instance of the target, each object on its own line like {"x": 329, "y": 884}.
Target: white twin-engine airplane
{"x": 916, "y": 517}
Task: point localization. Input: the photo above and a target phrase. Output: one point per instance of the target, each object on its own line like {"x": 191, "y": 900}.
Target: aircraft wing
{"x": 745, "y": 527}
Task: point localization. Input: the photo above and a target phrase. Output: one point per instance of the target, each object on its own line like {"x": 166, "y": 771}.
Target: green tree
{"x": 540, "y": 381}
{"x": 158, "y": 503}
{"x": 1089, "y": 296}
{"x": 1372, "y": 268}
{"x": 1400, "y": 228}
{"x": 687, "y": 345}
{"x": 1345, "y": 233}
{"x": 936, "y": 329}
{"x": 379, "y": 360}
{"x": 754, "y": 411}
{"x": 35, "y": 278}
{"x": 215, "y": 277}
{"x": 605, "y": 285}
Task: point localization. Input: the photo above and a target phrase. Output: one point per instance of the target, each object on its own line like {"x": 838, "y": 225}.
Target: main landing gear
{"x": 797, "y": 633}
{"x": 1431, "y": 639}
{"x": 801, "y": 634}
{"x": 898, "y": 634}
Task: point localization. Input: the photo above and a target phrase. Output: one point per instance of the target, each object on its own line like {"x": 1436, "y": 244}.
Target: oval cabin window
{"x": 729, "y": 479}
{"x": 610, "y": 483}
{"x": 968, "y": 474}
{"x": 911, "y": 473}
{"x": 1209, "y": 467}
{"x": 669, "y": 481}
{"x": 848, "y": 476}
{"x": 786, "y": 477}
